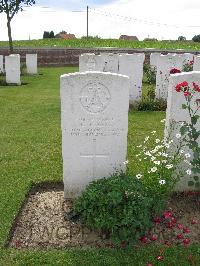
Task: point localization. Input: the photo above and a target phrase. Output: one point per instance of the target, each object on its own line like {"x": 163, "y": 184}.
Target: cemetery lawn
{"x": 30, "y": 153}
{"x": 94, "y": 42}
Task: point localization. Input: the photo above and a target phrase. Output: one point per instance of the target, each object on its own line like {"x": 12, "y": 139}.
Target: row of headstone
{"x": 12, "y": 67}
{"x": 125, "y": 64}
{"x": 94, "y": 117}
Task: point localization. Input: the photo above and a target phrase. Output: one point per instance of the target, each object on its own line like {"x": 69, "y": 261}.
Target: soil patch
{"x": 41, "y": 223}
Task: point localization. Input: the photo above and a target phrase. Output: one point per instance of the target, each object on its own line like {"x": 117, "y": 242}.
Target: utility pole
{"x": 87, "y": 22}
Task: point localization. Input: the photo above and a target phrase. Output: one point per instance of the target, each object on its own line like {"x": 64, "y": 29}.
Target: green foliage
{"x": 196, "y": 38}
{"x": 120, "y": 207}
{"x": 149, "y": 103}
{"x": 23, "y": 68}
{"x": 150, "y": 74}
{"x": 97, "y": 42}
{"x": 51, "y": 34}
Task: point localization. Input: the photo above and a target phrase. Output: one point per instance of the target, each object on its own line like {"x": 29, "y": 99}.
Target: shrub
{"x": 196, "y": 38}
{"x": 46, "y": 35}
{"x": 120, "y": 207}
{"x": 150, "y": 74}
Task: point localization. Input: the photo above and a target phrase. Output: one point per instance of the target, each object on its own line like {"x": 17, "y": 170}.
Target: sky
{"x": 161, "y": 19}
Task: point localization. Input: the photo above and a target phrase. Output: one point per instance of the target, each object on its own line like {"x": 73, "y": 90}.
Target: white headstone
{"x": 87, "y": 62}
{"x": 131, "y": 65}
{"x": 196, "y": 66}
{"x": 162, "y": 77}
{"x": 188, "y": 57}
{"x": 94, "y": 118}
{"x": 108, "y": 62}
{"x": 165, "y": 64}
{"x": 31, "y": 63}
{"x": 1, "y": 64}
{"x": 176, "y": 114}
{"x": 12, "y": 68}
{"x": 154, "y": 57}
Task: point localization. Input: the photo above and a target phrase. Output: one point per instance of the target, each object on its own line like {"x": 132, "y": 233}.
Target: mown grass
{"x": 30, "y": 153}
{"x": 93, "y": 42}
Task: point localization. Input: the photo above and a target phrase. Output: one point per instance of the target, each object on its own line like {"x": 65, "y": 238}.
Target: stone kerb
{"x": 94, "y": 119}
{"x": 131, "y": 65}
{"x": 175, "y": 114}
{"x": 12, "y": 68}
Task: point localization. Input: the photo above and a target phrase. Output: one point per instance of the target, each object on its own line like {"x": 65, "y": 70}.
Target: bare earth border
{"x": 40, "y": 221}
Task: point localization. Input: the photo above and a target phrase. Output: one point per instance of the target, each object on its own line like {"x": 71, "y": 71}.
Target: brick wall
{"x": 70, "y": 56}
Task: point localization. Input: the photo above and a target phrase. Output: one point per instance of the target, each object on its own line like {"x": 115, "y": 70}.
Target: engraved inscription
{"x": 91, "y": 64}
{"x": 95, "y": 97}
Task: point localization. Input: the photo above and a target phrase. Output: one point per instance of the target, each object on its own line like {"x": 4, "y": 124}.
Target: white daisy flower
{"x": 163, "y": 120}
{"x": 126, "y": 162}
{"x": 187, "y": 155}
{"x": 169, "y": 166}
{"x": 154, "y": 169}
{"x": 181, "y": 151}
{"x": 157, "y": 162}
{"x": 164, "y": 161}
{"x": 178, "y": 136}
{"x": 164, "y": 154}
{"x": 188, "y": 172}
{"x": 138, "y": 176}
{"x": 153, "y": 158}
{"x": 153, "y": 132}
{"x": 157, "y": 140}
{"x": 162, "y": 182}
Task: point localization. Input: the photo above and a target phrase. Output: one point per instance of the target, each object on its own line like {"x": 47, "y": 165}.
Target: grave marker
{"x": 94, "y": 118}
{"x": 175, "y": 114}
{"x": 31, "y": 64}
{"x": 131, "y": 65}
{"x": 1, "y": 64}
{"x": 12, "y": 68}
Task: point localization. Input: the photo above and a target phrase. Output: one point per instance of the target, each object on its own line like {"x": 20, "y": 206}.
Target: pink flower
{"x": 170, "y": 225}
{"x": 186, "y": 241}
{"x": 167, "y": 214}
{"x": 180, "y": 236}
{"x": 186, "y": 230}
{"x": 173, "y": 220}
{"x": 180, "y": 226}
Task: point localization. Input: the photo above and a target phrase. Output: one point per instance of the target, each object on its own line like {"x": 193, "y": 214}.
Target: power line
{"x": 128, "y": 19}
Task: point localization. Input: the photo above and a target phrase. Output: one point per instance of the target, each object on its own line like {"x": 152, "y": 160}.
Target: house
{"x": 128, "y": 38}
{"x": 65, "y": 35}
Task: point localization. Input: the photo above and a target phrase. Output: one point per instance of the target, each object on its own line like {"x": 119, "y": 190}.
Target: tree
{"x": 46, "y": 35}
{"x": 51, "y": 34}
{"x": 181, "y": 38}
{"x": 196, "y": 38}
{"x": 10, "y": 8}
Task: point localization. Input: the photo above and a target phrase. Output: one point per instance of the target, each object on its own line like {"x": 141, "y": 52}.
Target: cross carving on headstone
{"x": 93, "y": 156}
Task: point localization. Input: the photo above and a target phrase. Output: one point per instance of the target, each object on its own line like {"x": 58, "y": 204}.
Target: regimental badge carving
{"x": 95, "y": 97}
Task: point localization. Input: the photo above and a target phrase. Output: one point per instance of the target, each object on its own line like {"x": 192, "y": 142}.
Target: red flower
{"x": 154, "y": 237}
{"x": 194, "y": 221}
{"x": 144, "y": 239}
{"x": 180, "y": 226}
{"x": 178, "y": 87}
{"x": 187, "y": 93}
{"x": 167, "y": 214}
{"x": 157, "y": 220}
{"x": 180, "y": 236}
{"x": 186, "y": 241}
{"x": 170, "y": 225}
{"x": 184, "y": 84}
{"x": 196, "y": 87}
{"x": 186, "y": 230}
{"x": 174, "y": 71}
{"x": 173, "y": 220}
